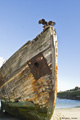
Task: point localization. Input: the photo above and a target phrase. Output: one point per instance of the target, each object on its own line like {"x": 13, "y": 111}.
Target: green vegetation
{"x": 73, "y": 94}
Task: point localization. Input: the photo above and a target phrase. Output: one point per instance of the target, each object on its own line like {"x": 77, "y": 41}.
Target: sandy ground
{"x": 66, "y": 114}
{"x": 59, "y": 114}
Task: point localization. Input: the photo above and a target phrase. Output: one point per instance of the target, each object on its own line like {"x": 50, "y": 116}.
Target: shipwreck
{"x": 28, "y": 79}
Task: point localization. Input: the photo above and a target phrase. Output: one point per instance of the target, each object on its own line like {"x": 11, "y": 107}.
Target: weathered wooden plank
{"x": 26, "y": 53}
{"x": 30, "y": 74}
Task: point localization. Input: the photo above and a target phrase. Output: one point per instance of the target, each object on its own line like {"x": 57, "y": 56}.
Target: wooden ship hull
{"x": 28, "y": 79}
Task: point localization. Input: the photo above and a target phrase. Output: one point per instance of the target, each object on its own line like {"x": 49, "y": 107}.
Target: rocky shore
{"x": 73, "y": 94}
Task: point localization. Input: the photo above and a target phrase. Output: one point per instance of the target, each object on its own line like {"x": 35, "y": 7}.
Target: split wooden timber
{"x": 28, "y": 80}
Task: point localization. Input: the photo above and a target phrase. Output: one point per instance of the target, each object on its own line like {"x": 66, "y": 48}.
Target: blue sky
{"x": 19, "y": 23}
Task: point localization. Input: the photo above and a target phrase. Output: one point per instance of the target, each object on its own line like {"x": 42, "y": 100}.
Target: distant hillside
{"x": 73, "y": 94}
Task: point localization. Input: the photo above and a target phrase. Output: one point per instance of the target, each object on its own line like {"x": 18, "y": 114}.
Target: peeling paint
{"x": 30, "y": 84}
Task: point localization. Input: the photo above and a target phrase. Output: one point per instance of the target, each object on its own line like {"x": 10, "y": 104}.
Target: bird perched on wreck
{"x": 45, "y": 23}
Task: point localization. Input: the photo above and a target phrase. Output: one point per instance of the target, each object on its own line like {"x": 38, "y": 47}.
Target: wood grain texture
{"x": 21, "y": 79}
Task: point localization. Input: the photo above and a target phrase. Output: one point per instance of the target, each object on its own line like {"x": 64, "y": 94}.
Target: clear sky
{"x": 19, "y": 23}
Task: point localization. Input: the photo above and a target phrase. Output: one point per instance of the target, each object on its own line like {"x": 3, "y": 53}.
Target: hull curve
{"x": 28, "y": 80}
